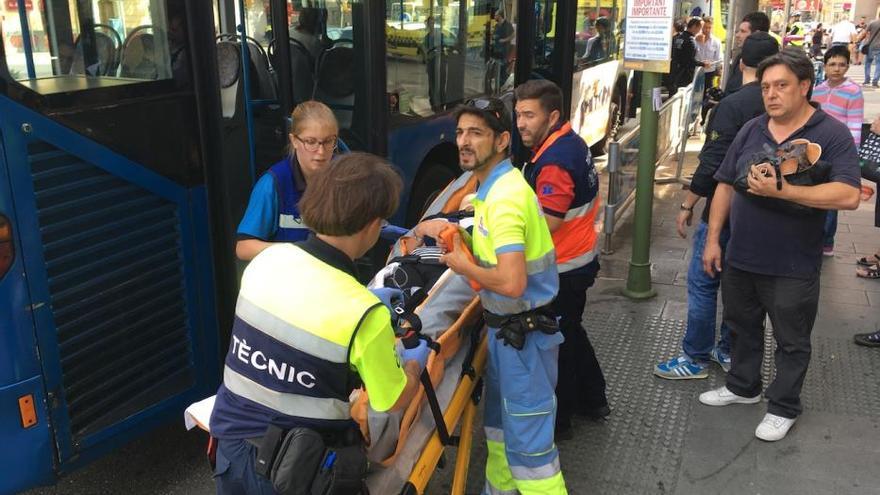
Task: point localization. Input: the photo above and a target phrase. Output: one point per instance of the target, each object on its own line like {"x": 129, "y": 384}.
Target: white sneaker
{"x": 773, "y": 427}
{"x": 723, "y": 397}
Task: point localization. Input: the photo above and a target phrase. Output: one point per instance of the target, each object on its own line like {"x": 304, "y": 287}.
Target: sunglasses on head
{"x": 491, "y": 105}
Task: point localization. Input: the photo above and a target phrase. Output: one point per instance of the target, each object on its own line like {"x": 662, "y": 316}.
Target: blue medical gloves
{"x": 418, "y": 353}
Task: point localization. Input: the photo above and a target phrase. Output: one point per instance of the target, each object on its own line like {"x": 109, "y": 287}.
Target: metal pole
{"x": 638, "y": 281}
{"x": 26, "y": 40}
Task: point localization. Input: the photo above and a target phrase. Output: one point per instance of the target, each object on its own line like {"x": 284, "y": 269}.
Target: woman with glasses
{"x": 272, "y": 214}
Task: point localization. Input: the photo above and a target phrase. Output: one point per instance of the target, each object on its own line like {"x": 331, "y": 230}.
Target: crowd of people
{"x": 765, "y": 224}
{"x": 768, "y": 218}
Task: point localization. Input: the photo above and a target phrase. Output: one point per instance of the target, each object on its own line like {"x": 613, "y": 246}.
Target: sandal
{"x": 867, "y": 192}
{"x": 868, "y": 339}
{"x": 874, "y": 260}
{"x": 868, "y": 272}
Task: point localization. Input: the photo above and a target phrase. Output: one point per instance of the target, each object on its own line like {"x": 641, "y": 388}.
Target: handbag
{"x": 798, "y": 163}
{"x": 864, "y": 48}
{"x": 869, "y": 157}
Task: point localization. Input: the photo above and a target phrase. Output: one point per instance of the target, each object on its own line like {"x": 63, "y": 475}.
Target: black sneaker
{"x": 563, "y": 430}
{"x": 868, "y": 339}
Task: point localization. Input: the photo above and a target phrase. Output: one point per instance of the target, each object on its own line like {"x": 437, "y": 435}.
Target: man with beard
{"x": 562, "y": 174}
{"x": 515, "y": 264}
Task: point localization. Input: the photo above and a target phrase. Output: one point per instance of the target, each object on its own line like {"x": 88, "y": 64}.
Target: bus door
{"x": 101, "y": 152}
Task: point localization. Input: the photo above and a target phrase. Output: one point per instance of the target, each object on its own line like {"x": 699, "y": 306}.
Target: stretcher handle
{"x": 447, "y": 235}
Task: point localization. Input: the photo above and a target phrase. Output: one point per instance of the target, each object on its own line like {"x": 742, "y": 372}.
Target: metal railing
{"x": 676, "y": 119}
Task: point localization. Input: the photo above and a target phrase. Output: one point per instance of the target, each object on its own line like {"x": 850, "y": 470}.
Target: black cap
{"x": 758, "y": 46}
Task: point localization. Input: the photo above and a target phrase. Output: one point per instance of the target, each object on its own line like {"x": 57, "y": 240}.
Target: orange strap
{"x": 551, "y": 139}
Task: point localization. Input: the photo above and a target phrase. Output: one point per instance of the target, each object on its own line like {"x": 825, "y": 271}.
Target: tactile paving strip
{"x": 639, "y": 448}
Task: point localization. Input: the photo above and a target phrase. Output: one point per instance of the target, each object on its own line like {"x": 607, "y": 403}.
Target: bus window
{"x": 545, "y": 37}
{"x": 596, "y": 36}
{"x": 328, "y": 53}
{"x": 132, "y": 41}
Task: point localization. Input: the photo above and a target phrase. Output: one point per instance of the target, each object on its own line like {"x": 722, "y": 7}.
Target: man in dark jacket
{"x": 752, "y": 22}
{"x": 732, "y": 113}
{"x": 684, "y": 56}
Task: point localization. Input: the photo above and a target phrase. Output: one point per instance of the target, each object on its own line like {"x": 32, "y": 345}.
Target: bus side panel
{"x": 26, "y": 453}
{"x": 407, "y": 148}
{"x": 592, "y": 90}
{"x": 116, "y": 260}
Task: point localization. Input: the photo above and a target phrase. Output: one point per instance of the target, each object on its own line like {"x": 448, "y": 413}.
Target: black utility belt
{"x": 514, "y": 328}
{"x": 305, "y": 461}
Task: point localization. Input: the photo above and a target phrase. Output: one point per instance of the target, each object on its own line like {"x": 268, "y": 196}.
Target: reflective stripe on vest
{"x": 576, "y": 240}
{"x": 290, "y": 224}
{"x": 295, "y": 320}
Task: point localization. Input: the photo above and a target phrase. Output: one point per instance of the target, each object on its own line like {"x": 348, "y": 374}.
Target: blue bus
{"x": 131, "y": 134}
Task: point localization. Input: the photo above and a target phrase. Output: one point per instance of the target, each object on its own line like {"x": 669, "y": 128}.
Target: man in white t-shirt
{"x": 843, "y": 33}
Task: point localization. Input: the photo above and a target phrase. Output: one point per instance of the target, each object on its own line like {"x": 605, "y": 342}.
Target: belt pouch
{"x": 297, "y": 462}
{"x": 342, "y": 471}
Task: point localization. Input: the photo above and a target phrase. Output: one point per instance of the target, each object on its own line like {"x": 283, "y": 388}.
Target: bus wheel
{"x": 615, "y": 119}
{"x": 428, "y": 185}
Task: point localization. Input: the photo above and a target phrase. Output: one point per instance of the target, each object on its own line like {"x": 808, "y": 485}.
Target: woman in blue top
{"x": 272, "y": 214}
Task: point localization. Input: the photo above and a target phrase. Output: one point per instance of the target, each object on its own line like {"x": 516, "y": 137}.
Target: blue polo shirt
{"x": 261, "y": 218}
{"x": 773, "y": 242}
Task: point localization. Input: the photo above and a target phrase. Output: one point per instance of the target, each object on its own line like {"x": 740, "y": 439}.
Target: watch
{"x": 685, "y": 208}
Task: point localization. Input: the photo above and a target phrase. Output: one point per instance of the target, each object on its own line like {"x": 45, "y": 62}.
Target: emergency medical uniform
{"x": 520, "y": 403}
{"x": 562, "y": 174}
{"x": 272, "y": 213}
{"x": 797, "y": 29}
{"x": 306, "y": 332}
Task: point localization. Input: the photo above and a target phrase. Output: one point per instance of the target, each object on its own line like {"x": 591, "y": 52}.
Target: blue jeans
{"x": 830, "y": 228}
{"x": 873, "y": 55}
{"x": 699, "y": 338}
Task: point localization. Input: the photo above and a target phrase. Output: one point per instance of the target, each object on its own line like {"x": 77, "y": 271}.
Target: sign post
{"x": 647, "y": 48}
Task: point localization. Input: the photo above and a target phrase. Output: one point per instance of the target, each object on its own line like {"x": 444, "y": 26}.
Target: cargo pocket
{"x": 221, "y": 467}
{"x": 529, "y": 426}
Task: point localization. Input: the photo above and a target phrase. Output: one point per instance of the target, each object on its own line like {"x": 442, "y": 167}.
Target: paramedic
{"x": 562, "y": 174}
{"x": 516, "y": 267}
{"x": 306, "y": 333}
{"x": 272, "y": 214}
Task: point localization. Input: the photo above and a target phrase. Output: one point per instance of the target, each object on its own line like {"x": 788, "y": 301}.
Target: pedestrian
{"x": 869, "y": 266}
{"x": 306, "y": 333}
{"x": 751, "y": 22}
{"x": 684, "y": 56}
{"x": 562, "y": 174}
{"x": 774, "y": 254}
{"x": 515, "y": 264}
{"x": 502, "y": 37}
{"x": 816, "y": 41}
{"x": 272, "y": 213}
{"x": 708, "y": 52}
{"x": 843, "y": 33}
{"x": 796, "y": 31}
{"x": 856, "y": 49}
{"x": 872, "y": 57}
{"x": 842, "y": 99}
{"x": 435, "y": 63}
{"x": 699, "y": 346}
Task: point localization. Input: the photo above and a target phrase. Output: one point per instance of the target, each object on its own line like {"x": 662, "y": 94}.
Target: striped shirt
{"x": 843, "y": 102}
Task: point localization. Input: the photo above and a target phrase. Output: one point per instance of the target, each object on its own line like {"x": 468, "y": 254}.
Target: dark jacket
{"x": 735, "y": 79}
{"x": 729, "y": 116}
{"x": 684, "y": 61}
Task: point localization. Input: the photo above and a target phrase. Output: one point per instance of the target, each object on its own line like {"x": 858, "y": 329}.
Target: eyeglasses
{"x": 312, "y": 144}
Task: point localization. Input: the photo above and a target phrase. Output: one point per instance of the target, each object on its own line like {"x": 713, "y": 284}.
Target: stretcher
{"x": 451, "y": 315}
{"x": 405, "y": 447}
